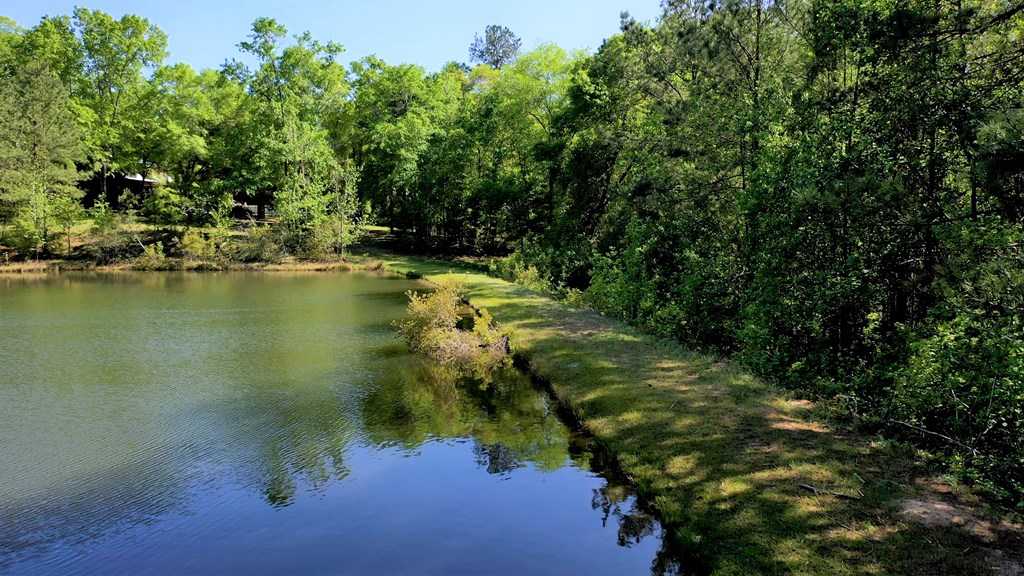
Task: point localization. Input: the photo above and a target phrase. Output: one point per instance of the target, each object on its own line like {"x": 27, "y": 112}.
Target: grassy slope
{"x": 722, "y": 455}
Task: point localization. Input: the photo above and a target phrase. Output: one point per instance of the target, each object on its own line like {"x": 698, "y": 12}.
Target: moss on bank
{"x": 749, "y": 480}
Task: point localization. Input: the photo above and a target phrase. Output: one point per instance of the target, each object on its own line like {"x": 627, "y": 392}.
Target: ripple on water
{"x": 241, "y": 423}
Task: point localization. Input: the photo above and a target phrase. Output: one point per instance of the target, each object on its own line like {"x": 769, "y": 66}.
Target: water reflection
{"x": 200, "y": 421}
{"x": 614, "y": 502}
{"x": 509, "y": 422}
{"x": 282, "y": 439}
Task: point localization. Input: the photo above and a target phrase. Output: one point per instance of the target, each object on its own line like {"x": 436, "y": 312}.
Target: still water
{"x": 273, "y": 423}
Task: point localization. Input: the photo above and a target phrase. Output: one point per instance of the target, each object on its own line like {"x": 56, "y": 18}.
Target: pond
{"x": 273, "y": 423}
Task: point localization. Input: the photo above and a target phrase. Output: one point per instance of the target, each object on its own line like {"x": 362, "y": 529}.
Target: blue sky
{"x": 427, "y": 32}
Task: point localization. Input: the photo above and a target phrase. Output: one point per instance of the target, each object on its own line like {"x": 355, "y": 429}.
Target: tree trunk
{"x": 103, "y": 184}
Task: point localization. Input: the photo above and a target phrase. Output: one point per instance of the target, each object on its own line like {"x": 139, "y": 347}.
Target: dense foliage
{"x": 827, "y": 190}
{"x": 830, "y": 191}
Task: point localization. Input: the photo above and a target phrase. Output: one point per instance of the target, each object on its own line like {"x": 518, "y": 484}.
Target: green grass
{"x": 722, "y": 455}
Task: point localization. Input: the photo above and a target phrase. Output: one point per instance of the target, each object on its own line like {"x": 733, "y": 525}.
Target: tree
{"x": 185, "y": 135}
{"x": 288, "y": 155}
{"x": 498, "y": 47}
{"x": 393, "y": 117}
{"x": 67, "y": 211}
{"x": 513, "y": 125}
{"x": 39, "y": 145}
{"x": 54, "y": 42}
{"x": 911, "y": 105}
{"x": 446, "y": 175}
{"x": 11, "y": 37}
{"x": 101, "y": 60}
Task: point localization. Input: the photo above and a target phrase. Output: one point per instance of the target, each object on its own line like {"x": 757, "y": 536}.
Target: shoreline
{"x": 352, "y": 264}
{"x": 745, "y": 478}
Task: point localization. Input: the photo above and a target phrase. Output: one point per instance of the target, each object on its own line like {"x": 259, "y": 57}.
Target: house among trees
{"x": 121, "y": 187}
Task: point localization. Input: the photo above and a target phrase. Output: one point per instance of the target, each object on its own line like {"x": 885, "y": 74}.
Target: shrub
{"x": 259, "y": 245}
{"x": 152, "y": 258}
{"x": 517, "y": 268}
{"x": 328, "y": 237}
{"x": 26, "y": 237}
{"x": 164, "y": 206}
{"x": 432, "y": 329}
{"x": 964, "y": 384}
{"x": 196, "y": 246}
{"x": 110, "y": 239}
{"x": 318, "y": 240}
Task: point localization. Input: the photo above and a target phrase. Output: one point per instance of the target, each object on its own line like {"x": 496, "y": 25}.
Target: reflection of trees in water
{"x": 289, "y": 440}
{"x": 496, "y": 458}
{"x": 511, "y": 424}
{"x": 666, "y": 563}
{"x": 296, "y": 439}
{"x": 509, "y": 421}
{"x": 280, "y": 484}
{"x": 616, "y": 502}
{"x": 634, "y": 524}
{"x": 275, "y": 440}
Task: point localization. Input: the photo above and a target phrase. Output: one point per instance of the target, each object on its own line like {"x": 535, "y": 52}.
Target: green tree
{"x": 513, "y": 121}
{"x": 11, "y": 38}
{"x": 39, "y": 145}
{"x": 67, "y": 211}
{"x": 102, "y": 60}
{"x": 289, "y": 156}
{"x": 393, "y": 118}
{"x": 115, "y": 54}
{"x": 184, "y": 136}
{"x": 497, "y": 48}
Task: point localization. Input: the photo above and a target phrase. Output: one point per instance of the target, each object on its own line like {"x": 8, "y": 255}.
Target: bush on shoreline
{"x": 432, "y": 329}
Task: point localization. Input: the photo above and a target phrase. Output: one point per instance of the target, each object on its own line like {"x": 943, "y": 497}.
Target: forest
{"x": 829, "y": 192}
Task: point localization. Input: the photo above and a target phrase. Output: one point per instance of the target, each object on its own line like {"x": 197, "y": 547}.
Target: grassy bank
{"x": 751, "y": 482}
